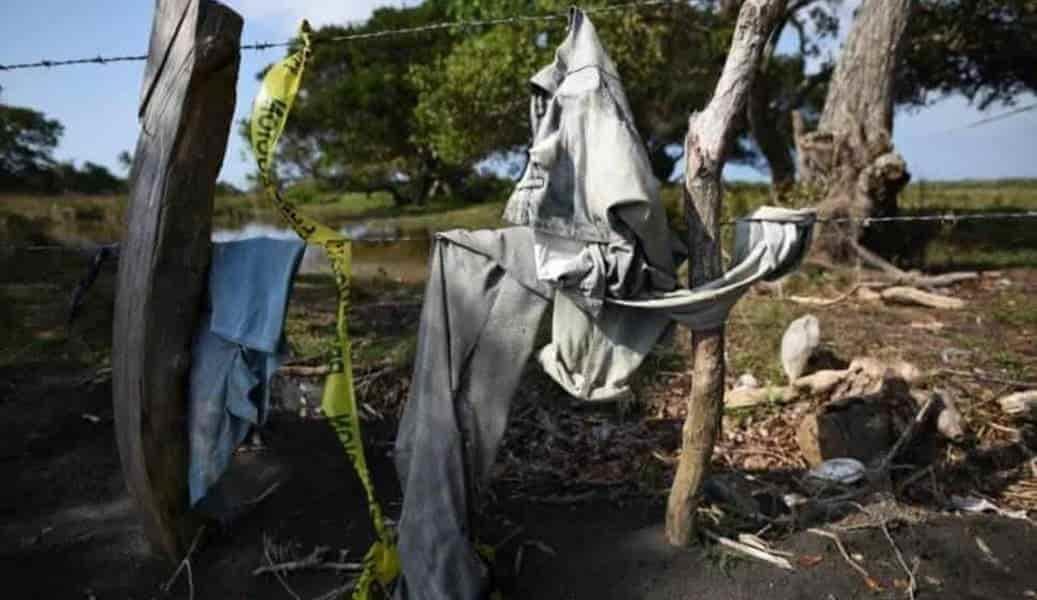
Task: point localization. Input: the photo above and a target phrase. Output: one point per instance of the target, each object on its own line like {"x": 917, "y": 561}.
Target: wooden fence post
{"x": 187, "y": 104}
{"x": 710, "y": 134}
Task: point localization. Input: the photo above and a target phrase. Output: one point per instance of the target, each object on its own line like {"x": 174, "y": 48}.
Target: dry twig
{"x": 186, "y": 564}
{"x": 912, "y": 584}
{"x": 989, "y": 378}
{"x": 907, "y": 435}
{"x": 315, "y": 560}
{"x": 748, "y": 550}
{"x": 842, "y": 550}
{"x": 280, "y": 578}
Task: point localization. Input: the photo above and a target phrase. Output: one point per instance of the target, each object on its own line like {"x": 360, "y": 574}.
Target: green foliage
{"x": 27, "y": 139}
{"x": 983, "y": 49}
{"x": 472, "y": 101}
{"x": 351, "y": 126}
{"x": 413, "y": 115}
{"x": 91, "y": 178}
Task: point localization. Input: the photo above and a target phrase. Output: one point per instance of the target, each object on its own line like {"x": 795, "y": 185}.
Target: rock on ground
{"x": 798, "y": 345}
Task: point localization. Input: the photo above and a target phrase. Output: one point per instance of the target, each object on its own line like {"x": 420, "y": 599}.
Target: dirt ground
{"x": 578, "y": 502}
{"x": 68, "y": 530}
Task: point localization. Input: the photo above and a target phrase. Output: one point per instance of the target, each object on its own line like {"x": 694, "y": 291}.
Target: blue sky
{"x": 98, "y": 103}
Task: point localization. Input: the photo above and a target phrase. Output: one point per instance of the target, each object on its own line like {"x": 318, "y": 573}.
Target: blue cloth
{"x": 236, "y": 351}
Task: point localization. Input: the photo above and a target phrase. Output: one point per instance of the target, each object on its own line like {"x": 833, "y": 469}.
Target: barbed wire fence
{"x": 460, "y": 24}
{"x": 477, "y": 24}
{"x": 947, "y": 218}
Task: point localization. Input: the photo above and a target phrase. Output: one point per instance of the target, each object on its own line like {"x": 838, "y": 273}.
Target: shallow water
{"x": 384, "y": 252}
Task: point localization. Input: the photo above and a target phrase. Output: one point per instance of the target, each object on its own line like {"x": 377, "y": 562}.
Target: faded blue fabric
{"x": 236, "y": 351}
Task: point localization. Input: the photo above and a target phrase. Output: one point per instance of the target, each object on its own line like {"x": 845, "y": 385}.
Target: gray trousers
{"x": 482, "y": 307}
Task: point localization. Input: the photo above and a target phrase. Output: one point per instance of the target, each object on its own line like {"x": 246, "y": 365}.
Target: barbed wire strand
{"x": 385, "y": 33}
{"x": 947, "y": 218}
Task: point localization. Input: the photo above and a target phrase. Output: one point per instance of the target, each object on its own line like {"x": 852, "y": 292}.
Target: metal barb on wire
{"x": 385, "y": 33}
{"x": 100, "y": 60}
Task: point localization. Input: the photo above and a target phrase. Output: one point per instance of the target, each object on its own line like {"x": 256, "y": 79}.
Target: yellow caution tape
{"x": 269, "y": 114}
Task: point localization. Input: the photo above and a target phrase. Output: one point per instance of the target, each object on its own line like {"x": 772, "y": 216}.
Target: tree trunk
{"x": 710, "y": 135}
{"x": 763, "y": 123}
{"x": 850, "y": 160}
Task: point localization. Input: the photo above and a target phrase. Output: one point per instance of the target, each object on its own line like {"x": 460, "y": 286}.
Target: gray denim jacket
{"x": 588, "y": 179}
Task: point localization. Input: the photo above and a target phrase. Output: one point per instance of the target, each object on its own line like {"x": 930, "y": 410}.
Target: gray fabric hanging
{"x": 594, "y": 240}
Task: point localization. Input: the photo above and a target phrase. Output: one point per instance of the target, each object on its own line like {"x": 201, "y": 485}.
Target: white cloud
{"x": 284, "y": 15}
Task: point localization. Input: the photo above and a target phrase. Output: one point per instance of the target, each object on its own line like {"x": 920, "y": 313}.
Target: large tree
{"x": 982, "y": 49}
{"x": 904, "y": 52}
{"x": 849, "y": 159}
{"x": 352, "y": 123}
{"x": 473, "y": 101}
{"x": 27, "y": 141}
{"x": 783, "y": 84}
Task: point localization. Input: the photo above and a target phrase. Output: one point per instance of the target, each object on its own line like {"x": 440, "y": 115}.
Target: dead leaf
{"x": 873, "y": 584}
{"x": 809, "y": 560}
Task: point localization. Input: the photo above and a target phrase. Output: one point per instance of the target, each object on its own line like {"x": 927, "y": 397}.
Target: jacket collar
{"x": 580, "y": 49}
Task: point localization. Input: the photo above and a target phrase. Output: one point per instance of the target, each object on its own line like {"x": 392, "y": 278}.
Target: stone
{"x": 1023, "y": 404}
{"x": 798, "y": 345}
{"x": 860, "y": 428}
{"x": 949, "y": 422}
{"x": 746, "y": 380}
{"x": 821, "y": 383}
{"x": 915, "y": 296}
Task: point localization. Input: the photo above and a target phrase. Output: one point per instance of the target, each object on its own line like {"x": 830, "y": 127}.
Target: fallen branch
{"x": 813, "y": 301}
{"x": 315, "y": 561}
{"x": 898, "y": 276}
{"x": 989, "y": 378}
{"x": 748, "y": 550}
{"x": 910, "y": 295}
{"x": 304, "y": 370}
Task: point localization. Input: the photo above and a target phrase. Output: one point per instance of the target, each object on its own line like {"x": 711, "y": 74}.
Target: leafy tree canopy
{"x": 27, "y": 140}
{"x": 415, "y": 113}
{"x": 983, "y": 49}
{"x": 473, "y": 101}
{"x": 353, "y": 121}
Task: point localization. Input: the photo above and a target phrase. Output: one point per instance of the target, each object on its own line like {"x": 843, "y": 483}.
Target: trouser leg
{"x": 476, "y": 334}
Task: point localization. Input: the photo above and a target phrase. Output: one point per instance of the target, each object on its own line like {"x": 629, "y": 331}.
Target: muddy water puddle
{"x": 378, "y": 251}
{"x": 386, "y": 252}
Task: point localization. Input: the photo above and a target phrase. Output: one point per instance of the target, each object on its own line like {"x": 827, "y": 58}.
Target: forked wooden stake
{"x": 710, "y": 133}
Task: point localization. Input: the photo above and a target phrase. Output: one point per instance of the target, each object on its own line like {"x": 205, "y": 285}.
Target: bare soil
{"x": 578, "y": 498}
{"x": 68, "y": 530}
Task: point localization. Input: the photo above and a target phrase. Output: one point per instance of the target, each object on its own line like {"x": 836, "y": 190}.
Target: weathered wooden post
{"x": 186, "y": 108}
{"x": 710, "y": 134}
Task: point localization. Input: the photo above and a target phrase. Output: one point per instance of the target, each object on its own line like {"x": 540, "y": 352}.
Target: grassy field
{"x": 36, "y": 284}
